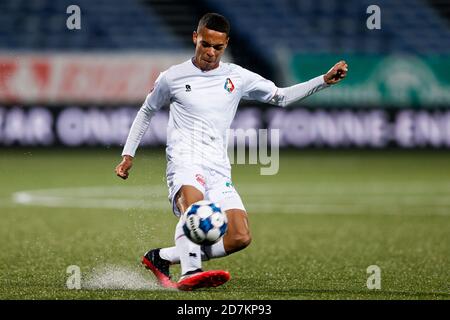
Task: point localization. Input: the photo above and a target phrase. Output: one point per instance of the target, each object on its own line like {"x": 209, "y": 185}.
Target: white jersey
{"x": 202, "y": 107}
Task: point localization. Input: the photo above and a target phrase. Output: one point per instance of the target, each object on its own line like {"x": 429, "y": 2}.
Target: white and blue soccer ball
{"x": 204, "y": 222}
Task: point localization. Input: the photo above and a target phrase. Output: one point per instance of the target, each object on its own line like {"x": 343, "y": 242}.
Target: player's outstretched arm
{"x": 285, "y": 96}
{"x": 124, "y": 166}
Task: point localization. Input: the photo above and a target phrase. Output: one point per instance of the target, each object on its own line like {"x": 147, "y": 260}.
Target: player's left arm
{"x": 285, "y": 96}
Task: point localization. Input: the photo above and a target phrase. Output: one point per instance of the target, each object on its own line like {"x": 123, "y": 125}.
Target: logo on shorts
{"x": 200, "y": 179}
{"x": 229, "y": 184}
{"x": 229, "y": 86}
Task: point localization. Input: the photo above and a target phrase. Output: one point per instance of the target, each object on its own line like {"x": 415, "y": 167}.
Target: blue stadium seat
{"x": 312, "y": 26}
{"x": 307, "y": 26}
{"x": 105, "y": 24}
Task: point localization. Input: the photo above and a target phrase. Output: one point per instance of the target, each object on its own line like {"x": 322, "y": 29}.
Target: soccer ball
{"x": 204, "y": 223}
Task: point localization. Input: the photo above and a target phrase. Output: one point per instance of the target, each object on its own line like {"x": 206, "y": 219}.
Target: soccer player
{"x": 203, "y": 94}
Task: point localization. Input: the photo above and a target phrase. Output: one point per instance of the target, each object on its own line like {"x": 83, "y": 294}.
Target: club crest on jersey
{"x": 229, "y": 86}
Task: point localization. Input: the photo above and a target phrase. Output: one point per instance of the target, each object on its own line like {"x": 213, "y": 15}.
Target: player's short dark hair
{"x": 216, "y": 22}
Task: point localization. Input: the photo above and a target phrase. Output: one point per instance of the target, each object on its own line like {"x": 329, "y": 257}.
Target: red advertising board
{"x": 81, "y": 78}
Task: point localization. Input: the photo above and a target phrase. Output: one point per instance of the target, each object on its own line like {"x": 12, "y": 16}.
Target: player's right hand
{"x": 124, "y": 166}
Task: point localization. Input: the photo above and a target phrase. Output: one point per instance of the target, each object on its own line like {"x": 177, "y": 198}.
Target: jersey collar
{"x": 207, "y": 71}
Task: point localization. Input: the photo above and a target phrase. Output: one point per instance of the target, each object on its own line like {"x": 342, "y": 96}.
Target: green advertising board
{"x": 399, "y": 81}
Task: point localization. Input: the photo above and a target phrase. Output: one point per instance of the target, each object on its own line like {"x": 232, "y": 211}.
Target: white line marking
{"x": 371, "y": 198}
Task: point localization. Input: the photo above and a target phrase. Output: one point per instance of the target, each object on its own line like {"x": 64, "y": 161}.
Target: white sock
{"x": 217, "y": 250}
{"x": 189, "y": 252}
{"x": 170, "y": 254}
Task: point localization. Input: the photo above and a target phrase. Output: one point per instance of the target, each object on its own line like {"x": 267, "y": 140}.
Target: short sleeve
{"x": 257, "y": 87}
{"x": 159, "y": 95}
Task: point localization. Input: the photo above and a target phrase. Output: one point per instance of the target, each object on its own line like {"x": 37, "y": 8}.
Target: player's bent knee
{"x": 238, "y": 235}
{"x": 237, "y": 243}
{"x": 243, "y": 242}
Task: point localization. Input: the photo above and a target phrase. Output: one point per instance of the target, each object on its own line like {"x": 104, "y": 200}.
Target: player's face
{"x": 209, "y": 47}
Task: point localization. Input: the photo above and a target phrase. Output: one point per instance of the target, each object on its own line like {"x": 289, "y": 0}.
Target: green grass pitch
{"x": 317, "y": 226}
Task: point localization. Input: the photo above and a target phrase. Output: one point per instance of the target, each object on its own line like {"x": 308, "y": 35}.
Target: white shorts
{"x": 215, "y": 186}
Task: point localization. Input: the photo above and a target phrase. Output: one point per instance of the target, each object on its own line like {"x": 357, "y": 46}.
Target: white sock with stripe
{"x": 208, "y": 252}
{"x": 172, "y": 254}
{"x": 189, "y": 252}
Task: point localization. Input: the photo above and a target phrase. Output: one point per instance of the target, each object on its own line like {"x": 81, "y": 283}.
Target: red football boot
{"x": 203, "y": 279}
{"x": 159, "y": 267}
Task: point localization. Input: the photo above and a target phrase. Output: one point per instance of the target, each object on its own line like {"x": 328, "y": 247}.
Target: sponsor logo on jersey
{"x": 229, "y": 86}
{"x": 188, "y": 88}
{"x": 200, "y": 179}
{"x": 230, "y": 187}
